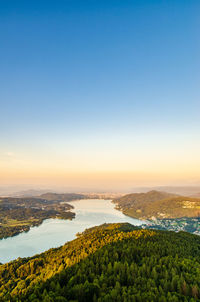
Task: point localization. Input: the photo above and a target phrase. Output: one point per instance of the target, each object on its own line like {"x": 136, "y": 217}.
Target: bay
{"x": 55, "y": 232}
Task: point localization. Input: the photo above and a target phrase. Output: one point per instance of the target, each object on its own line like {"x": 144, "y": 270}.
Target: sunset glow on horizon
{"x": 101, "y": 94}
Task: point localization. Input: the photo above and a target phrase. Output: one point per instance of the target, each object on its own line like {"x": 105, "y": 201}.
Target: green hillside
{"x": 155, "y": 204}
{"x": 115, "y": 262}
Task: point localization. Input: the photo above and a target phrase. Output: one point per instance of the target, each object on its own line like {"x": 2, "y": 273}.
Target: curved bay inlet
{"x": 55, "y": 232}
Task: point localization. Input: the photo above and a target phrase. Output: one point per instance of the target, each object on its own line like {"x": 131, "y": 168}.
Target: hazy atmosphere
{"x": 99, "y": 94}
{"x": 99, "y": 151}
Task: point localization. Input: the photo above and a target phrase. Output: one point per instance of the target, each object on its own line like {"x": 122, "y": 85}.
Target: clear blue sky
{"x": 96, "y": 86}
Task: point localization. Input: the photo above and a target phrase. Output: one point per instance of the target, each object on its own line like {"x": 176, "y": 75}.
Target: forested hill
{"x": 115, "y": 262}
{"x": 61, "y": 197}
{"x": 155, "y": 204}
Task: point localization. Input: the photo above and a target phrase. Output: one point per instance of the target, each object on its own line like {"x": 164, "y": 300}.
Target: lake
{"x": 55, "y": 232}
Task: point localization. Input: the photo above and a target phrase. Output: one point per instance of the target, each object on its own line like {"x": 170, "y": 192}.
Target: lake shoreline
{"x": 52, "y": 233}
{"x": 26, "y": 228}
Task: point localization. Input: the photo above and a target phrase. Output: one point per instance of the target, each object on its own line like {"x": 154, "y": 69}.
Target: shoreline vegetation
{"x": 162, "y": 211}
{"x": 19, "y": 214}
{"x": 15, "y": 227}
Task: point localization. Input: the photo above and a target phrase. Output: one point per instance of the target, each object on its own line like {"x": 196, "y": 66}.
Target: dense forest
{"x": 115, "y": 262}
{"x": 160, "y": 205}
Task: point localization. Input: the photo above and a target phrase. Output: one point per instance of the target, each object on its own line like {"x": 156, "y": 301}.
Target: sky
{"x": 99, "y": 94}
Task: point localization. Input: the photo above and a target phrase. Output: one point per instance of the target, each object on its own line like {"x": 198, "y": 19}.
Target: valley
{"x": 19, "y": 214}
{"x": 55, "y": 232}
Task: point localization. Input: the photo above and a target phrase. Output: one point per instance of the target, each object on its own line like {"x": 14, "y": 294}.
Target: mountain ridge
{"x": 112, "y": 262}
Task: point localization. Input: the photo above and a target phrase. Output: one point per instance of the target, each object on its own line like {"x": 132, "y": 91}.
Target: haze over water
{"x": 55, "y": 232}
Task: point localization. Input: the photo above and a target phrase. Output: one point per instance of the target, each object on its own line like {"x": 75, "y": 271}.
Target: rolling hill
{"x": 112, "y": 262}
{"x": 61, "y": 197}
{"x": 160, "y": 205}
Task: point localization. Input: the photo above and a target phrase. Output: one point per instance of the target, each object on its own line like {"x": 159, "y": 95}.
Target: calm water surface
{"x": 55, "y": 232}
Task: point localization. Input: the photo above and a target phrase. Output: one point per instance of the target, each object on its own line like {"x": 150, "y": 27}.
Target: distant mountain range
{"x": 21, "y": 191}
{"x": 75, "y": 196}
{"x": 181, "y": 190}
{"x": 58, "y": 195}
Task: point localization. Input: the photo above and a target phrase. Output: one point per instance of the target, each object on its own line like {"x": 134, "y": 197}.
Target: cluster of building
{"x": 191, "y": 225}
